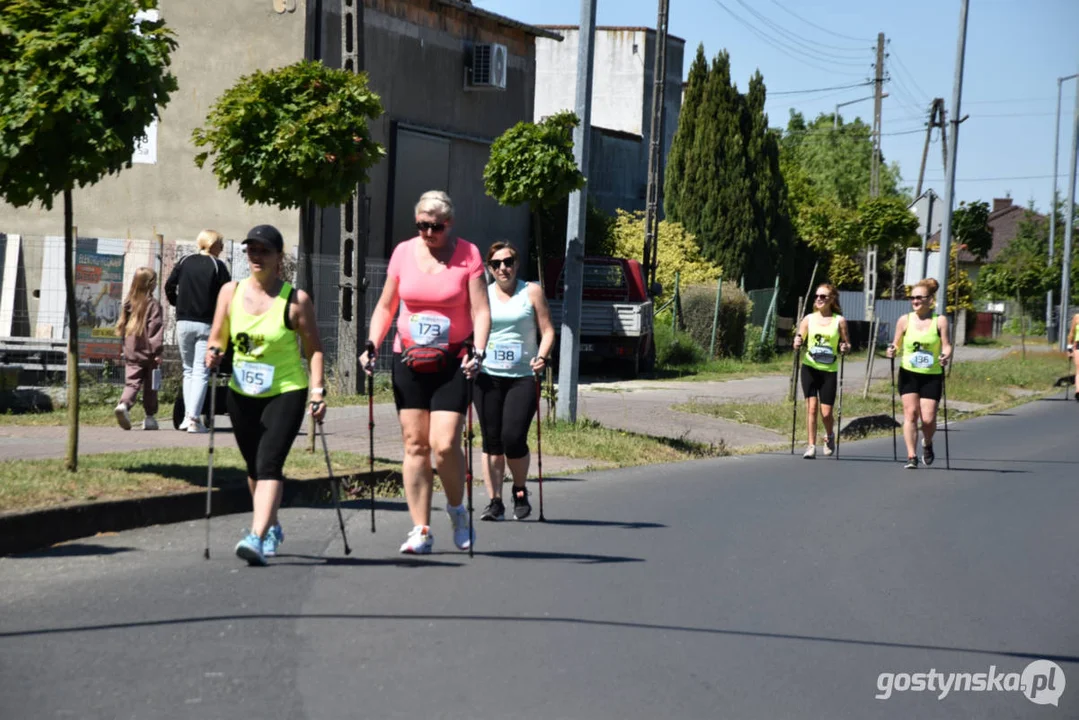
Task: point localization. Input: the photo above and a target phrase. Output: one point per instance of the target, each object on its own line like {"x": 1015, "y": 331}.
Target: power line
{"x": 808, "y": 44}
{"x": 815, "y": 90}
{"x": 907, "y": 74}
{"x": 998, "y": 179}
{"x": 818, "y": 27}
{"x": 804, "y": 59}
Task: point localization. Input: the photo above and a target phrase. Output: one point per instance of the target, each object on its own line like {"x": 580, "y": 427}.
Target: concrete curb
{"x": 35, "y": 529}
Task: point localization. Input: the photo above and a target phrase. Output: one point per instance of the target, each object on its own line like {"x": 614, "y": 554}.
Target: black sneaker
{"x": 495, "y": 510}
{"x": 928, "y": 456}
{"x": 521, "y": 507}
{"x": 912, "y": 464}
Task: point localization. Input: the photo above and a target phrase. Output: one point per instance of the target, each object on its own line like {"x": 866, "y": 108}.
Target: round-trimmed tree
{"x": 80, "y": 80}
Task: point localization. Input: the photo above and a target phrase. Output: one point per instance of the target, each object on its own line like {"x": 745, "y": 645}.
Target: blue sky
{"x": 1015, "y": 53}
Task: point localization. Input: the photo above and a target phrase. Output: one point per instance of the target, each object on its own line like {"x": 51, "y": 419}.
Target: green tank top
{"x": 921, "y": 349}
{"x": 822, "y": 345}
{"x": 512, "y": 343}
{"x": 266, "y": 357}
{"x": 1076, "y": 338}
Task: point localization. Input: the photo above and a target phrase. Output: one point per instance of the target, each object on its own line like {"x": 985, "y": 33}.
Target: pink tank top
{"x": 435, "y": 308}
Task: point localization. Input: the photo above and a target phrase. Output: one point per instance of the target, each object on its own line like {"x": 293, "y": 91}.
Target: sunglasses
{"x": 433, "y": 227}
{"x": 824, "y": 297}
{"x": 920, "y": 298}
{"x": 502, "y": 262}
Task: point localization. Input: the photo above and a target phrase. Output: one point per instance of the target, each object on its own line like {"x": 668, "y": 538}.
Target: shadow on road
{"x": 75, "y": 550}
{"x": 516, "y": 619}
{"x": 570, "y": 557}
{"x": 606, "y": 523}
{"x": 312, "y": 560}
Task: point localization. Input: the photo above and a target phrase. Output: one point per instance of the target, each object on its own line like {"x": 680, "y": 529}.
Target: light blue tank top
{"x": 512, "y": 344}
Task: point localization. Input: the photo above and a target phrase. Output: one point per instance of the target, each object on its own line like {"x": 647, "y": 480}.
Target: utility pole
{"x": 655, "y": 146}
{"x": 1050, "y": 325}
{"x": 936, "y": 119}
{"x": 949, "y": 172}
{"x": 573, "y": 265}
{"x": 1069, "y": 227}
{"x": 874, "y": 180}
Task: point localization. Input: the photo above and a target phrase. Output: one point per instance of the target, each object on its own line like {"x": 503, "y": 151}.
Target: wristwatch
{"x": 320, "y": 391}
{"x": 480, "y": 355}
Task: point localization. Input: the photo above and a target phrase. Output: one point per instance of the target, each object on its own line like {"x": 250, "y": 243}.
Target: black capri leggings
{"x": 819, "y": 383}
{"x": 505, "y": 407}
{"x": 265, "y": 429}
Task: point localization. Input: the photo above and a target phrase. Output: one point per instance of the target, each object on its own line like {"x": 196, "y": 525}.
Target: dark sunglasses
{"x": 824, "y": 297}
{"x": 922, "y": 298}
{"x": 433, "y": 227}
{"x": 500, "y": 262}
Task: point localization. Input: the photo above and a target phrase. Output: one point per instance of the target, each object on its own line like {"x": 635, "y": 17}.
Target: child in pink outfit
{"x": 142, "y": 327}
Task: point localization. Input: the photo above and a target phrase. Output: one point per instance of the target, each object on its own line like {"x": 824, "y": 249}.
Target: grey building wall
{"x": 218, "y": 42}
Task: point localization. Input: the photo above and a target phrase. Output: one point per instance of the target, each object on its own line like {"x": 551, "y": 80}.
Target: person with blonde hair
{"x": 922, "y": 335}
{"x": 825, "y": 331}
{"x": 142, "y": 327}
{"x": 435, "y": 280}
{"x": 1073, "y": 347}
{"x": 192, "y": 289}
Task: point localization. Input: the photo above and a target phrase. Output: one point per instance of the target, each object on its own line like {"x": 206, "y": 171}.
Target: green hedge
{"x": 698, "y": 308}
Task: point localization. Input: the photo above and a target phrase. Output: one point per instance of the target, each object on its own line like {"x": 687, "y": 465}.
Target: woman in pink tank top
{"x": 435, "y": 286}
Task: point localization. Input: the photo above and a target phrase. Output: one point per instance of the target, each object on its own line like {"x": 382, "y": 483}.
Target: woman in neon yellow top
{"x": 1073, "y": 334}
{"x": 824, "y": 332}
{"x": 923, "y": 336}
{"x": 262, "y": 316}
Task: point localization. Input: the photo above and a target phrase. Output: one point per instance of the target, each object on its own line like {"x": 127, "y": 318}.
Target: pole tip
{"x": 206, "y": 554}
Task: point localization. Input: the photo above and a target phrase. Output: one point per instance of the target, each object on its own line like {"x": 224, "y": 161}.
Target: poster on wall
{"x": 99, "y": 288}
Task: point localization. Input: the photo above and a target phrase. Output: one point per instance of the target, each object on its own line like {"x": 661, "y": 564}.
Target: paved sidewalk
{"x": 643, "y": 406}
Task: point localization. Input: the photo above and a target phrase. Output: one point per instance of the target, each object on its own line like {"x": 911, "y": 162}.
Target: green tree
{"x": 79, "y": 84}
{"x": 677, "y": 251}
{"x": 724, "y": 181}
{"x": 533, "y": 164}
{"x": 292, "y": 135}
{"x": 1020, "y": 270}
{"x": 970, "y": 227}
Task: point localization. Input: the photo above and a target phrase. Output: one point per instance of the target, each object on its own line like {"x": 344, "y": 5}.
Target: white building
{"x": 622, "y": 87}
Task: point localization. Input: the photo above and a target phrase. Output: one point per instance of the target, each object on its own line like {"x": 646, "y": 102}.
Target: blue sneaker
{"x": 250, "y": 549}
{"x": 275, "y": 536}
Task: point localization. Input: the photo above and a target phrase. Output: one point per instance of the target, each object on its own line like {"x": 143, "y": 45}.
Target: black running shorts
{"x": 505, "y": 407}
{"x": 265, "y": 428}
{"x": 927, "y": 387}
{"x": 442, "y": 391}
{"x": 820, "y": 384}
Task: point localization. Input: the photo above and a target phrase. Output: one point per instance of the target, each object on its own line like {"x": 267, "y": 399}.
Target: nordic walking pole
{"x": 335, "y": 488}
{"x": 468, "y": 466}
{"x": 944, "y": 399}
{"x": 794, "y": 398}
{"x": 895, "y": 452}
{"x": 539, "y": 447}
{"x": 371, "y": 427}
{"x": 210, "y": 464}
{"x": 839, "y": 413}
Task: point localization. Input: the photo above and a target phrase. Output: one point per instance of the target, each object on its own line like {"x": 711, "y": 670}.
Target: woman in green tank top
{"x": 264, "y": 317}
{"x": 923, "y": 337}
{"x": 824, "y": 333}
{"x": 1073, "y": 335}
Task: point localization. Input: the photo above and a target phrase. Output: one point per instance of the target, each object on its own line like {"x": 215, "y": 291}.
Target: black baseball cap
{"x": 268, "y": 235}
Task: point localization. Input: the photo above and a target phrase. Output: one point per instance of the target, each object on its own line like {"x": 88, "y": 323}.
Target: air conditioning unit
{"x": 489, "y": 64}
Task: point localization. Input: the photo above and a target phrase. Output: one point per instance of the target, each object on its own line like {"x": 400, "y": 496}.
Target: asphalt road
{"x": 746, "y": 587}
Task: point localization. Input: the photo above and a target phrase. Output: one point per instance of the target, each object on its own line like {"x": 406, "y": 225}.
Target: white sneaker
{"x": 195, "y": 426}
{"x": 419, "y": 541}
{"x": 829, "y": 445}
{"x": 123, "y": 416}
{"x": 149, "y": 423}
{"x": 810, "y": 453}
{"x": 459, "y": 521}
{"x": 185, "y": 424}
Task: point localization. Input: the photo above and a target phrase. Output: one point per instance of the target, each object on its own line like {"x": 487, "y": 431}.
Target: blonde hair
{"x": 207, "y": 239}
{"x": 931, "y": 286}
{"x": 133, "y": 315}
{"x": 833, "y": 299}
{"x": 437, "y": 203}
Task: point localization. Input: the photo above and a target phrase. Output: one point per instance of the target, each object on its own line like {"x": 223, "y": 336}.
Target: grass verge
{"x": 28, "y": 484}
{"x": 983, "y": 383}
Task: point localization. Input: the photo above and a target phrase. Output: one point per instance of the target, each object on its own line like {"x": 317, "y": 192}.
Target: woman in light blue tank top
{"x": 517, "y": 350}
